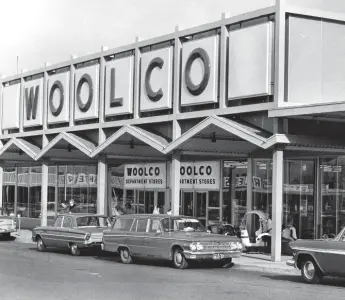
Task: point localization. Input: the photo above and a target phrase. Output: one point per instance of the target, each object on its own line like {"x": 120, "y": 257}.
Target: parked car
{"x": 73, "y": 231}
{"x": 177, "y": 238}
{"x": 8, "y": 223}
{"x": 319, "y": 258}
{"x": 225, "y": 229}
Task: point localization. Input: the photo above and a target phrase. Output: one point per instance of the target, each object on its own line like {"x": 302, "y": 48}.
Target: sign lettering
{"x": 31, "y": 100}
{"x": 197, "y": 90}
{"x": 56, "y": 87}
{"x": 85, "y": 79}
{"x": 200, "y": 175}
{"x": 155, "y": 63}
{"x": 145, "y": 176}
{"x": 114, "y": 102}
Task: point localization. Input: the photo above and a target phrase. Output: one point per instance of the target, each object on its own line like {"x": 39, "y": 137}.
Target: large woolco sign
{"x": 248, "y": 71}
{"x": 145, "y": 176}
{"x": 200, "y": 175}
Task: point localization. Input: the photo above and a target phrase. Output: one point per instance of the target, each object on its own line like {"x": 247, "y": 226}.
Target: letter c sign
{"x": 152, "y": 95}
{"x": 200, "y": 53}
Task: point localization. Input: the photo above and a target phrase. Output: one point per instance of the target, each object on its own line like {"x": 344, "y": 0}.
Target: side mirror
{"x": 158, "y": 232}
{"x": 209, "y": 231}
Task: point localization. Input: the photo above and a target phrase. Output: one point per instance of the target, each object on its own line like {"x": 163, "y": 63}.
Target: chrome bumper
{"x": 291, "y": 263}
{"x": 102, "y": 247}
{"x": 210, "y": 255}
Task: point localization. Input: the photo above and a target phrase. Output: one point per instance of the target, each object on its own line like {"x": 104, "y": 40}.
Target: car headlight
{"x": 239, "y": 246}
{"x": 192, "y": 247}
{"x": 87, "y": 236}
{"x": 196, "y": 246}
{"x": 199, "y": 246}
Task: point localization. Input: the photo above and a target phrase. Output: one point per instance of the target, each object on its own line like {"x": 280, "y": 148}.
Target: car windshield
{"x": 92, "y": 221}
{"x": 182, "y": 224}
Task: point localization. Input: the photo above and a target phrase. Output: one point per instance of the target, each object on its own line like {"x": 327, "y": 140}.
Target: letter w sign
{"x": 31, "y": 99}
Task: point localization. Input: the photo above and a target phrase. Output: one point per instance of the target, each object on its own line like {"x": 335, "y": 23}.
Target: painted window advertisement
{"x": 200, "y": 175}
{"x": 145, "y": 176}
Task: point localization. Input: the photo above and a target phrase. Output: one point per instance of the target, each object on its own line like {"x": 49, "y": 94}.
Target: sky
{"x": 39, "y": 31}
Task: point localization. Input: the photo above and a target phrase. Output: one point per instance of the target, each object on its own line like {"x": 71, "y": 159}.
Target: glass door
{"x": 160, "y": 201}
{"x": 140, "y": 202}
{"x": 187, "y": 205}
{"x": 213, "y": 208}
{"x": 200, "y": 206}
{"x": 149, "y": 202}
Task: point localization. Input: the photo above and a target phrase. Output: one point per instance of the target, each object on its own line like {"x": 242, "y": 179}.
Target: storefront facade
{"x": 240, "y": 114}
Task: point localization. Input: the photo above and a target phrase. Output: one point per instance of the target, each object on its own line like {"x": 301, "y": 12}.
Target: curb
{"x": 263, "y": 269}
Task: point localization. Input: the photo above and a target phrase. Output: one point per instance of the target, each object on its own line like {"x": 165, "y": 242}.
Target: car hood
{"x": 203, "y": 237}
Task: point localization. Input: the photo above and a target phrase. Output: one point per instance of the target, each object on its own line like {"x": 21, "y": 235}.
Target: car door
{"x": 155, "y": 243}
{"x": 65, "y": 234}
{"x": 333, "y": 254}
{"x": 51, "y": 235}
{"x": 136, "y": 237}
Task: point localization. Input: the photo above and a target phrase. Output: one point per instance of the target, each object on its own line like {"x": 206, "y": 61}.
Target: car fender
{"x": 173, "y": 245}
{"x": 123, "y": 246}
{"x": 309, "y": 254}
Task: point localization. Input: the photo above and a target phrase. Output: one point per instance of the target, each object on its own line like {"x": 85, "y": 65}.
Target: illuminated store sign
{"x": 200, "y": 175}
{"x": 145, "y": 176}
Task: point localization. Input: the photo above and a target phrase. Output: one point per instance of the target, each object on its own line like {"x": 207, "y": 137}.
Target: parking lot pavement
{"x": 28, "y": 274}
{"x": 247, "y": 262}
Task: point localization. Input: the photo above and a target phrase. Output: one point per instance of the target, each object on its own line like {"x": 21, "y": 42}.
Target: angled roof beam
{"x": 146, "y": 137}
{"x": 83, "y": 145}
{"x": 30, "y": 149}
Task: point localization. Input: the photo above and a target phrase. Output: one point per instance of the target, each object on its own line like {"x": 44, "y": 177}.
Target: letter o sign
{"x": 182, "y": 171}
{"x": 197, "y": 90}
{"x": 57, "y": 85}
{"x": 86, "y": 78}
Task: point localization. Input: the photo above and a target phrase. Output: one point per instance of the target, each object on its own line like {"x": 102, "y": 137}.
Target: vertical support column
{"x": 249, "y": 184}
{"x": 279, "y": 59}
{"x": 1, "y": 182}
{"x": 277, "y": 204}
{"x": 71, "y": 93}
{"x": 45, "y": 97}
{"x": 137, "y": 57}
{"x": 56, "y": 190}
{"x": 16, "y": 190}
{"x": 102, "y": 86}
{"x": 44, "y": 194}
{"x": 21, "y": 105}
{"x": 221, "y": 200}
{"x": 223, "y": 65}
{"x": 175, "y": 184}
{"x": 102, "y": 183}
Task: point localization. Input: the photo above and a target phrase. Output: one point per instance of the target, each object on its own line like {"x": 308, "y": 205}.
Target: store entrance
{"x": 203, "y": 205}
{"x": 144, "y": 201}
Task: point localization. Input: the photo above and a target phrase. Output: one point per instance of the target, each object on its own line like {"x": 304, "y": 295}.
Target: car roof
{"x": 80, "y": 215}
{"x": 153, "y": 216}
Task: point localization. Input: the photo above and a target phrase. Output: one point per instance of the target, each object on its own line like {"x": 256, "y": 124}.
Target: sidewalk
{"x": 255, "y": 262}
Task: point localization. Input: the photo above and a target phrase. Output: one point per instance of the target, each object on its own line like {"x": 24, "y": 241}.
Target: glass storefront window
{"x": 298, "y": 203}
{"x": 332, "y": 208}
{"x": 52, "y": 181}
{"x": 8, "y": 190}
{"x": 234, "y": 191}
{"x": 24, "y": 207}
{"x": 80, "y": 184}
{"x": 262, "y": 186}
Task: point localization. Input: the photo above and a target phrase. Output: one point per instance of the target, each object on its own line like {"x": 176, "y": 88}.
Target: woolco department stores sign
{"x": 199, "y": 63}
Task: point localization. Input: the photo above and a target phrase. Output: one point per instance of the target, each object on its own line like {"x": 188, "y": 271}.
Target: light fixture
{"x": 132, "y": 144}
{"x": 214, "y": 137}
{"x": 69, "y": 148}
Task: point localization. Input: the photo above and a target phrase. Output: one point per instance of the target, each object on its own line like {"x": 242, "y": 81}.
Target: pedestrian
{"x": 128, "y": 208}
{"x": 156, "y": 211}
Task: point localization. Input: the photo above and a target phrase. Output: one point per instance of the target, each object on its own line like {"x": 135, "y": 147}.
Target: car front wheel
{"x": 40, "y": 245}
{"x": 125, "y": 255}
{"x": 310, "y": 272}
{"x": 180, "y": 262}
